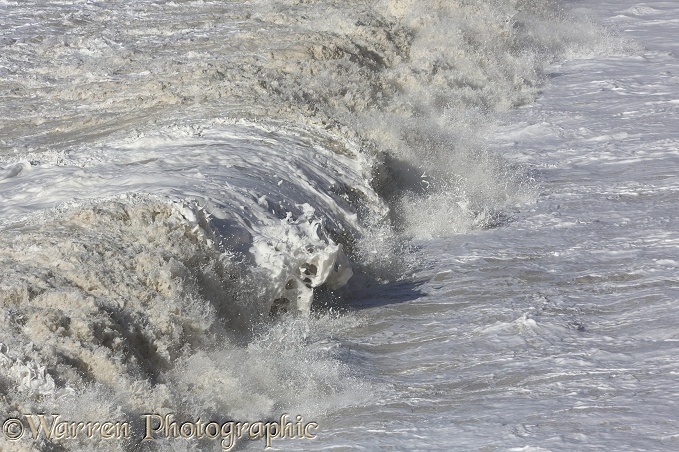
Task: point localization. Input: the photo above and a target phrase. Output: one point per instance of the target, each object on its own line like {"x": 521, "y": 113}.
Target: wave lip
{"x": 274, "y": 197}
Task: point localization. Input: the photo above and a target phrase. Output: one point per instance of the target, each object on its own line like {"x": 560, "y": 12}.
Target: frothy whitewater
{"x": 431, "y": 225}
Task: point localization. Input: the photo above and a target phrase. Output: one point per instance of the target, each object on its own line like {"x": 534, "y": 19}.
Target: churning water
{"x": 431, "y": 225}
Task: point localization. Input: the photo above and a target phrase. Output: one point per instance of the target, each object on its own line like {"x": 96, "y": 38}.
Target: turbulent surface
{"x": 180, "y": 180}
{"x": 412, "y": 78}
{"x": 557, "y": 332}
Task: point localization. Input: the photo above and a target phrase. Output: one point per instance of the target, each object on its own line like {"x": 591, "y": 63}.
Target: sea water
{"x": 360, "y": 225}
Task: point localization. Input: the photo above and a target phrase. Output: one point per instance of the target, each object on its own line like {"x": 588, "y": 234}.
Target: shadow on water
{"x": 366, "y": 293}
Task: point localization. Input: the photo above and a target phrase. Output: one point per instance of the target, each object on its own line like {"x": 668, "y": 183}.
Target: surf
{"x": 183, "y": 182}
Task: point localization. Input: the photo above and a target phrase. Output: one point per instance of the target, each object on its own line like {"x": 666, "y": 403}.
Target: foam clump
{"x": 28, "y": 377}
{"x": 300, "y": 257}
